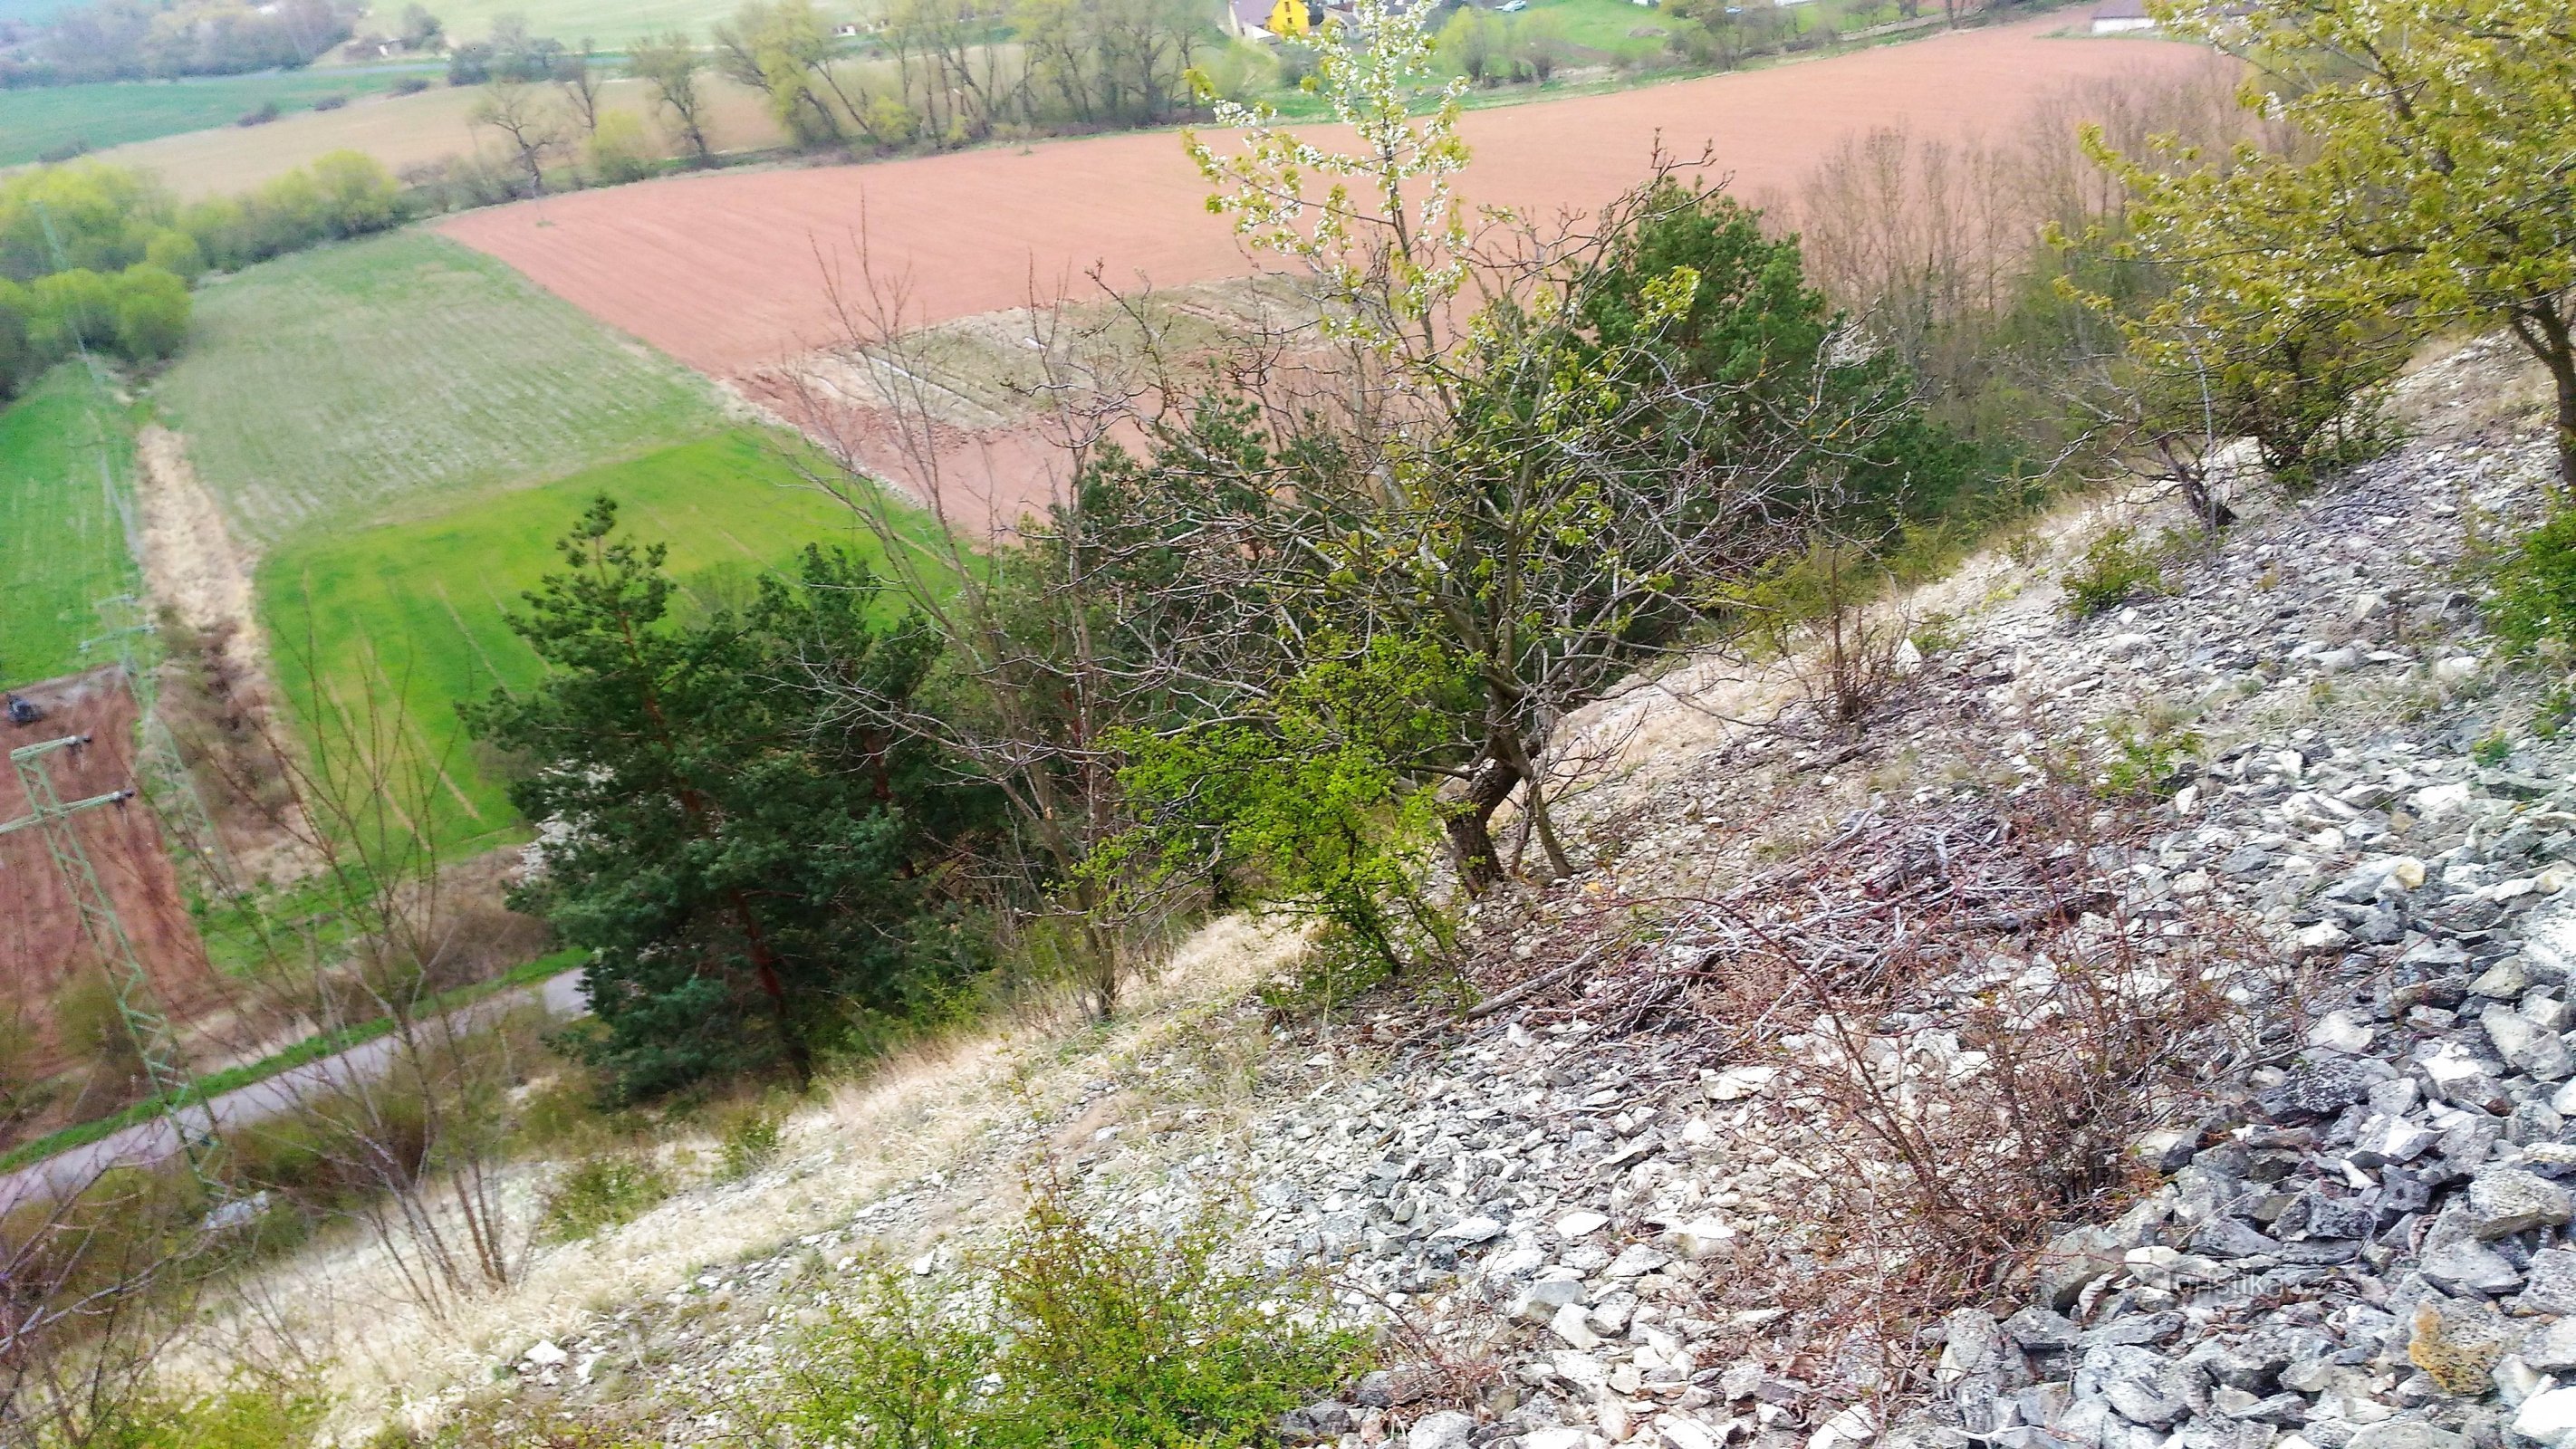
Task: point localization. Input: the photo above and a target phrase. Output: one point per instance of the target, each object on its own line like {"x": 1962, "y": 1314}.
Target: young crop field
{"x": 38, "y": 121}
{"x": 62, "y": 539}
{"x": 379, "y": 633}
{"x": 399, "y": 376}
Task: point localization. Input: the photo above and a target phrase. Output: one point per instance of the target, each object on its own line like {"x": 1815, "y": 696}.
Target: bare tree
{"x": 96, "y": 1277}
{"x": 670, "y": 66}
{"x": 1032, "y": 691}
{"x": 582, "y": 81}
{"x": 527, "y": 120}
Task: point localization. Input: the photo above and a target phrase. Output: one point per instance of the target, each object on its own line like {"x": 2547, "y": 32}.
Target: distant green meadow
{"x": 62, "y": 541}
{"x": 609, "y": 23}
{"x": 39, "y": 121}
{"x": 401, "y": 429}
{"x": 378, "y": 633}
{"x": 400, "y": 375}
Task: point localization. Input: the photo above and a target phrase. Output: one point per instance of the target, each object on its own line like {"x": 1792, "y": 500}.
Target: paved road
{"x": 152, "y": 1141}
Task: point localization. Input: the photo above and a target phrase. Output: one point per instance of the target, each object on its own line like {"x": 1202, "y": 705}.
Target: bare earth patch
{"x": 195, "y": 574}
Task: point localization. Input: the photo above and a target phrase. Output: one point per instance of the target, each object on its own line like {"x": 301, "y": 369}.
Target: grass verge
{"x": 311, "y": 1049}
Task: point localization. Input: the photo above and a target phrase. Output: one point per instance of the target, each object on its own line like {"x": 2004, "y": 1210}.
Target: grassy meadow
{"x": 38, "y": 120}
{"x": 379, "y": 632}
{"x": 401, "y": 375}
{"x": 608, "y": 23}
{"x": 62, "y": 539}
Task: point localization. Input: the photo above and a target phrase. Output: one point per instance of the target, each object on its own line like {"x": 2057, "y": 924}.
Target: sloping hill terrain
{"x": 1624, "y": 1201}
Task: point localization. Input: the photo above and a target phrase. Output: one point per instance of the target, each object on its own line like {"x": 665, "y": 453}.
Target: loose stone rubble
{"x": 2360, "y": 1241}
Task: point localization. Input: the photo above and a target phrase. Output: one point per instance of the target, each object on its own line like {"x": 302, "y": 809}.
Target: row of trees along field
{"x": 102, "y": 256}
{"x": 111, "y": 40}
{"x": 933, "y": 73}
{"x": 1335, "y": 602}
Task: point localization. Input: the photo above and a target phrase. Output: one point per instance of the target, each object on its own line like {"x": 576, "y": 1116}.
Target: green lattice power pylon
{"x": 168, "y": 784}
{"x": 104, "y": 928}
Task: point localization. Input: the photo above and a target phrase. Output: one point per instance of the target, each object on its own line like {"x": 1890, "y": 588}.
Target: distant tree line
{"x": 102, "y": 257}
{"x": 111, "y": 40}
{"x": 939, "y": 72}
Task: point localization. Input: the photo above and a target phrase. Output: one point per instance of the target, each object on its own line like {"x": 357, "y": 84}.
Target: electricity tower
{"x": 104, "y": 928}
{"x": 169, "y": 787}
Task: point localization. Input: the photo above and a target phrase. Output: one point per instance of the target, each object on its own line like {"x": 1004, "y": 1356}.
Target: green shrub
{"x": 1079, "y": 1337}
{"x": 1938, "y": 633}
{"x": 2117, "y": 568}
{"x": 244, "y": 1415}
{"x": 619, "y": 150}
{"x": 892, "y": 1370}
{"x": 2145, "y": 755}
{"x": 151, "y": 313}
{"x": 177, "y": 253}
{"x": 749, "y": 1142}
{"x": 599, "y": 1193}
{"x": 2533, "y": 598}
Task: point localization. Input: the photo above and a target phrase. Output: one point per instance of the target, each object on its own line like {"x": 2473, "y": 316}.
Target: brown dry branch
{"x": 93, "y": 1285}
{"x": 1967, "y": 1023}
{"x": 399, "y": 1136}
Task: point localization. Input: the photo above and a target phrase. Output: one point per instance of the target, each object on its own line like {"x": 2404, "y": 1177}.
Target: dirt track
{"x": 40, "y": 936}
{"x": 734, "y": 272}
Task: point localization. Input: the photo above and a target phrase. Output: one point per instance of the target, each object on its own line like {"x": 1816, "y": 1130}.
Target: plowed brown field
{"x": 40, "y": 935}
{"x": 732, "y": 273}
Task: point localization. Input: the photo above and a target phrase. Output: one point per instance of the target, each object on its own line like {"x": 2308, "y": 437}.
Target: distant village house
{"x": 2117, "y": 17}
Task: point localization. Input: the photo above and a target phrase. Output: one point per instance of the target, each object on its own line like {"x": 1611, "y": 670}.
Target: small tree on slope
{"x": 2442, "y": 185}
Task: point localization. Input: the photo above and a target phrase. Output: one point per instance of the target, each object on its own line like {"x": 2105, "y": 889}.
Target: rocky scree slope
{"x": 1588, "y": 1212}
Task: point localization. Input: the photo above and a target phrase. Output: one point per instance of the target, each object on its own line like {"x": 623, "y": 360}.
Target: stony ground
{"x": 1600, "y": 1210}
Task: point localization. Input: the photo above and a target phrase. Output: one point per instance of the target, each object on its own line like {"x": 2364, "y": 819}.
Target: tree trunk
{"x": 800, "y": 1059}
{"x": 1471, "y": 833}
{"x": 2543, "y": 330}
{"x": 2563, "y": 373}
{"x": 1535, "y": 802}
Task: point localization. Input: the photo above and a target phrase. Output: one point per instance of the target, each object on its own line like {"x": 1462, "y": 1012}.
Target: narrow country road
{"x": 75, "y": 1168}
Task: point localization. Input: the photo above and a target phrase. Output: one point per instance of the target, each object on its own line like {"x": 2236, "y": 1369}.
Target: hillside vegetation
{"x": 400, "y": 375}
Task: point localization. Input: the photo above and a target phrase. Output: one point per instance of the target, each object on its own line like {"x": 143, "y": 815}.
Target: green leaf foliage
{"x": 755, "y": 877}
{"x": 1756, "y": 329}
{"x": 2534, "y": 598}
{"x": 1322, "y": 807}
{"x": 1074, "y": 1336}
{"x": 2430, "y": 184}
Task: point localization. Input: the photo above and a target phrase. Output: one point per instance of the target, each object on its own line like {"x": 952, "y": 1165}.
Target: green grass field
{"x": 1603, "y": 25}
{"x": 608, "y": 23}
{"x": 38, "y": 120}
{"x": 62, "y": 541}
{"x": 401, "y": 622}
{"x": 398, "y": 376}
